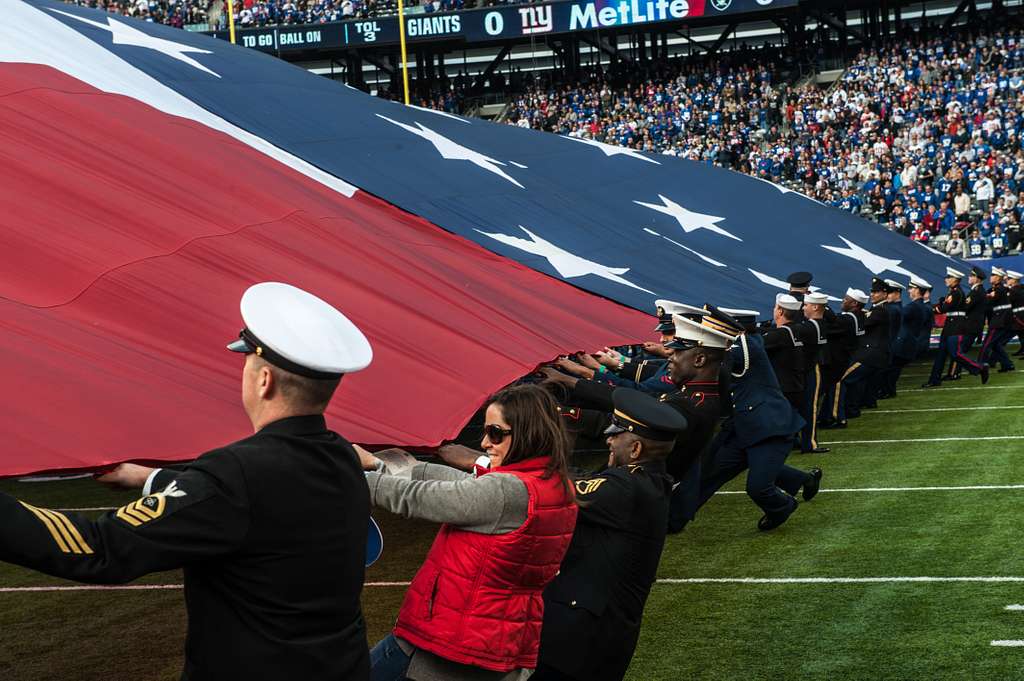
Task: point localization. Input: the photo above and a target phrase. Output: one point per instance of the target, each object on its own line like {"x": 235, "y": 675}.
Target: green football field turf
{"x": 871, "y": 526}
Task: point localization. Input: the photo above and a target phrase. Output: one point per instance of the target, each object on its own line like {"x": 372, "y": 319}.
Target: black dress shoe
{"x": 813, "y": 483}
{"x": 929, "y": 384}
{"x": 832, "y": 425}
{"x": 1004, "y": 370}
{"x": 770, "y": 522}
{"x": 984, "y": 374}
{"x": 816, "y": 450}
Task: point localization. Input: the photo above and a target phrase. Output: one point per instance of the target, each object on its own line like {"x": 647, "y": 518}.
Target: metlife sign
{"x": 496, "y": 23}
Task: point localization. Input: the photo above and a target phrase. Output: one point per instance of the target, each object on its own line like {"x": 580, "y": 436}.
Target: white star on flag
{"x": 565, "y": 263}
{"x": 876, "y": 264}
{"x": 454, "y": 151}
{"x": 780, "y": 284}
{"x": 611, "y": 150}
{"x": 124, "y": 34}
{"x": 688, "y": 219}
{"x": 700, "y": 255}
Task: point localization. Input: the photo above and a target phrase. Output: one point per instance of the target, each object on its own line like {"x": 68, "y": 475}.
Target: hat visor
{"x": 614, "y": 429}
{"x": 240, "y": 345}
{"x": 680, "y": 344}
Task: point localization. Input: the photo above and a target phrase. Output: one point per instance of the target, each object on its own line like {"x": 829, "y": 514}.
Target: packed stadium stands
{"x": 251, "y": 13}
{"x": 923, "y": 136}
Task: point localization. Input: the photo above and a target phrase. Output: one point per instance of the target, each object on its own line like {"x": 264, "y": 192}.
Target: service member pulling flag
{"x": 594, "y": 606}
{"x": 271, "y": 530}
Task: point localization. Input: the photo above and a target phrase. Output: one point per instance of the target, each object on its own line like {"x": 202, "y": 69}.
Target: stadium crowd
{"x": 177, "y": 13}
{"x": 254, "y": 13}
{"x": 923, "y": 136}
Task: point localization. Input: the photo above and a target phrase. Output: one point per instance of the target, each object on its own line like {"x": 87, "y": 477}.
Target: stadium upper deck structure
{"x": 571, "y": 34}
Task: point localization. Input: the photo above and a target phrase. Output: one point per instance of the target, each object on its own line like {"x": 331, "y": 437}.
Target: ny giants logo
{"x": 537, "y": 19}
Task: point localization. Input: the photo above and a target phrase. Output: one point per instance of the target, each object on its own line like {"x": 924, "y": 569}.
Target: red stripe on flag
{"x": 128, "y": 237}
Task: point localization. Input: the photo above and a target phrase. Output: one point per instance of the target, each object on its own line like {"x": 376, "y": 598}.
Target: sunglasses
{"x": 496, "y": 434}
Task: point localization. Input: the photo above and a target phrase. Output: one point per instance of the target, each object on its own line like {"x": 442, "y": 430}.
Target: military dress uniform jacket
{"x": 953, "y": 307}
{"x": 594, "y": 606}
{"x": 785, "y": 347}
{"x": 843, "y": 340}
{"x": 895, "y": 311}
{"x": 914, "y": 316}
{"x": 999, "y": 306}
{"x": 873, "y": 350}
{"x": 700, "y": 403}
{"x": 271, "y": 532}
{"x": 759, "y": 409}
{"x": 812, "y": 335}
{"x": 975, "y": 308}
{"x": 924, "y": 338}
{"x": 1017, "y": 306}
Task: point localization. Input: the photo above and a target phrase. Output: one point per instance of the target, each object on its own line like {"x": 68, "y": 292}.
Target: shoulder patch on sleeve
{"x": 584, "y": 487}
{"x": 145, "y": 509}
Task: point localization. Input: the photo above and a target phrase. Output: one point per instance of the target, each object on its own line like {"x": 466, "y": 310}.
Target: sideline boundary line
{"x": 924, "y": 439}
{"x": 930, "y": 409}
{"x": 667, "y": 581}
{"x": 823, "y": 490}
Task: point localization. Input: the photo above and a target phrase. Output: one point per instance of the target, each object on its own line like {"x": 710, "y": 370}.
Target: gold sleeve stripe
{"x": 75, "y": 548}
{"x": 131, "y": 516}
{"x": 49, "y": 525}
{"x": 70, "y": 526}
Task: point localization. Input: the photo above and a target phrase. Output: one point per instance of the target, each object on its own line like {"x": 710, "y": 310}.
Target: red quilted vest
{"x": 477, "y": 598}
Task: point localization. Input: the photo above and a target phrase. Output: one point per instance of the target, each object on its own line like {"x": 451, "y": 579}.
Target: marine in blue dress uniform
{"x": 1000, "y": 323}
{"x": 953, "y": 342}
{"x": 271, "y": 531}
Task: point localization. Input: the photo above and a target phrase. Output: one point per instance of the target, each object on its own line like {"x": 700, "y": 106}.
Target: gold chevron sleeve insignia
{"x": 64, "y": 533}
{"x": 142, "y": 510}
{"x": 588, "y": 486}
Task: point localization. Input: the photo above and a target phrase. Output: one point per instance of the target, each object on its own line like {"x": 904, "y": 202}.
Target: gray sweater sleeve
{"x": 491, "y": 504}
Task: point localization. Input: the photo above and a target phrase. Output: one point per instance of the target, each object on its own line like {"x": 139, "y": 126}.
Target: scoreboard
{"x": 495, "y": 23}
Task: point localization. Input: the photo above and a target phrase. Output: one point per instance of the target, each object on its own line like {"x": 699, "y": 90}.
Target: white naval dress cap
{"x": 787, "y": 302}
{"x": 956, "y": 274}
{"x": 816, "y": 298}
{"x": 672, "y": 307}
{"x": 1011, "y": 274}
{"x": 857, "y": 295}
{"x": 918, "y": 282}
{"x": 892, "y": 283}
{"x": 691, "y": 334}
{"x": 298, "y": 332}
{"x": 998, "y": 271}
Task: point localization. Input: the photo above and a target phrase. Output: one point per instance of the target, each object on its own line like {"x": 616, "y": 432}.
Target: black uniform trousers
{"x": 995, "y": 340}
{"x": 955, "y": 348}
{"x": 892, "y": 374}
{"x": 768, "y": 472}
{"x": 809, "y": 409}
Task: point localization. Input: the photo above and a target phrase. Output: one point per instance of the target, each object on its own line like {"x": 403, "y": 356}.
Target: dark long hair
{"x": 537, "y": 428}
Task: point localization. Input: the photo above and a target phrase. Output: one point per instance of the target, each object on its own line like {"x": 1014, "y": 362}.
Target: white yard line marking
{"x": 950, "y": 488}
{"x": 868, "y": 412}
{"x": 669, "y": 581}
{"x": 1019, "y": 386}
{"x": 1014, "y": 607}
{"x": 923, "y": 439}
{"x": 903, "y": 489}
{"x": 832, "y": 580}
{"x": 89, "y": 587}
{"x": 1008, "y": 644}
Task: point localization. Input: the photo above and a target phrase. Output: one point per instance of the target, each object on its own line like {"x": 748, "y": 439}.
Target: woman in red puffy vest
{"x": 474, "y": 610}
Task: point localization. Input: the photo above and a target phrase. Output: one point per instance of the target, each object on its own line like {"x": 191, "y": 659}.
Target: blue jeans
{"x": 387, "y": 661}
